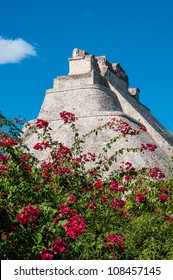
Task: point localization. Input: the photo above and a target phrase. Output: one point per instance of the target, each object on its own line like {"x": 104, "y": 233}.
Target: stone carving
{"x": 118, "y": 70}
{"x": 134, "y": 92}
{"x": 78, "y": 53}
{"x": 102, "y": 66}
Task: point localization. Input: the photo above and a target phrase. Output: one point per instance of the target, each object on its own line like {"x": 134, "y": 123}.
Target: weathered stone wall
{"x": 83, "y": 101}
{"x": 139, "y": 112}
{"x": 95, "y": 143}
{"x": 96, "y": 91}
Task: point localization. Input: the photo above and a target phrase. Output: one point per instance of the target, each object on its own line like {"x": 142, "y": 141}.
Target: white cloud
{"x": 13, "y": 51}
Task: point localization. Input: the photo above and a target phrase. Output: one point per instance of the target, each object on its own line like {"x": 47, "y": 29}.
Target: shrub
{"x": 59, "y": 209}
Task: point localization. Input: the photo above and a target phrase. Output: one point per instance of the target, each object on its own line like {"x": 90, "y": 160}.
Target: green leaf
{"x": 61, "y": 223}
{"x": 39, "y": 238}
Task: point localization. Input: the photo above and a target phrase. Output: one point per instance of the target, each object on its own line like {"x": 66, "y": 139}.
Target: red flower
{"x": 123, "y": 212}
{"x": 157, "y": 174}
{"x": 163, "y": 197}
{"x": 114, "y": 239}
{"x": 88, "y": 157}
{"x": 128, "y": 165}
{"x": 143, "y": 128}
{"x": 41, "y": 123}
{"x": 168, "y": 218}
{"x": 8, "y": 142}
{"x": 98, "y": 184}
{"x": 72, "y": 198}
{"x": 59, "y": 247}
{"x": 91, "y": 205}
{"x": 19, "y": 120}
{"x": 65, "y": 150}
{"x": 41, "y": 146}
{"x": 75, "y": 226}
{"x": 64, "y": 211}
{"x": 3, "y": 158}
{"x": 62, "y": 151}
{"x": 117, "y": 203}
{"x": 45, "y": 255}
{"x": 29, "y": 214}
{"x": 149, "y": 147}
{"x": 140, "y": 197}
{"x": 4, "y": 167}
{"x": 67, "y": 117}
{"x": 57, "y": 218}
{"x": 104, "y": 198}
{"x": 113, "y": 186}
{"x": 62, "y": 170}
{"x": 123, "y": 127}
{"x": 12, "y": 228}
{"x": 4, "y": 237}
{"x": 127, "y": 177}
{"x": 121, "y": 188}
{"x": 63, "y": 204}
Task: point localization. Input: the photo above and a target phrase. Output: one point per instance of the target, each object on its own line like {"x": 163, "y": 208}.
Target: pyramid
{"x": 97, "y": 92}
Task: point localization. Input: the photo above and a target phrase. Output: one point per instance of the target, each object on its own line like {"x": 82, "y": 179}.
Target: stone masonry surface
{"x": 96, "y": 91}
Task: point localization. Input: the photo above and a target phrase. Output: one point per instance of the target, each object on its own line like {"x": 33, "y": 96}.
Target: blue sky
{"x": 37, "y": 37}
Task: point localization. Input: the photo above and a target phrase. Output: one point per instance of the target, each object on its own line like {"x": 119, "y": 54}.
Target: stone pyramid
{"x": 96, "y": 91}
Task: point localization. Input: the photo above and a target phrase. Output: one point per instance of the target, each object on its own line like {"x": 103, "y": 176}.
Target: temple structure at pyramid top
{"x": 96, "y": 91}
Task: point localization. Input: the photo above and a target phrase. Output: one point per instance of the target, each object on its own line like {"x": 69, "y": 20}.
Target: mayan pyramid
{"x": 96, "y": 91}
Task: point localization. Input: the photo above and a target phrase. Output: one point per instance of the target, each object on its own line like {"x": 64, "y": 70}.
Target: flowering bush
{"x": 29, "y": 214}
{"x": 59, "y": 209}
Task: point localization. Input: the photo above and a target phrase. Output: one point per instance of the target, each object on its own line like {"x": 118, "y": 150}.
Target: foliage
{"x": 59, "y": 209}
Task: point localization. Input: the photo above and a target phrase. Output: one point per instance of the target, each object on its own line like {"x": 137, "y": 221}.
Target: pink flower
{"x": 168, "y": 218}
{"x": 98, "y": 184}
{"x": 121, "y": 188}
{"x": 128, "y": 165}
{"x": 67, "y": 117}
{"x": 72, "y": 199}
{"x": 123, "y": 127}
{"x": 4, "y": 167}
{"x": 149, "y": 147}
{"x": 143, "y": 128}
{"x": 63, "y": 204}
{"x": 157, "y": 174}
{"x": 113, "y": 185}
{"x": 57, "y": 218}
{"x": 63, "y": 150}
{"x": 3, "y": 158}
{"x": 8, "y": 142}
{"x": 123, "y": 212}
{"x": 12, "y": 228}
{"x": 91, "y": 205}
{"x": 59, "y": 247}
{"x": 75, "y": 226}
{"x": 64, "y": 211}
{"x": 29, "y": 214}
{"x": 114, "y": 239}
{"x": 127, "y": 177}
{"x": 4, "y": 237}
{"x": 117, "y": 203}
{"x": 45, "y": 255}
{"x": 88, "y": 157}
{"x": 41, "y": 146}
{"x": 104, "y": 198}
{"x": 163, "y": 197}
{"x": 41, "y": 123}
{"x": 140, "y": 197}
{"x": 62, "y": 170}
